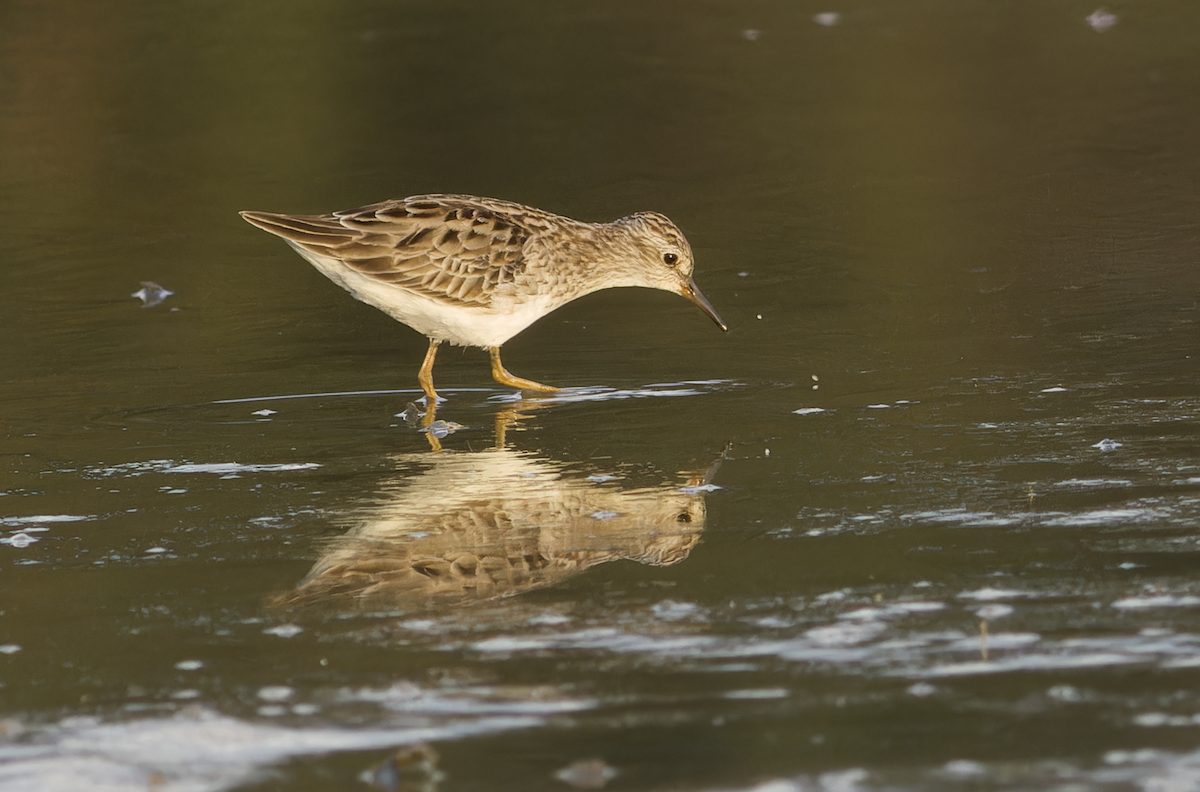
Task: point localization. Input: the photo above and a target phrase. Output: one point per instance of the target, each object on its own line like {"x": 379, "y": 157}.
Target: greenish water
{"x": 927, "y": 517}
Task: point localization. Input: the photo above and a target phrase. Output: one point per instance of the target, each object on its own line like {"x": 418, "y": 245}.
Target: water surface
{"x": 925, "y": 518}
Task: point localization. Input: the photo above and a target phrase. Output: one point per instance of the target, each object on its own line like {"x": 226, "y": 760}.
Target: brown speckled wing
{"x": 451, "y": 248}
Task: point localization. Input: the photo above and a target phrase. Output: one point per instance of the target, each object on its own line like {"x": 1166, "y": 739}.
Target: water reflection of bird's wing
{"x": 476, "y": 526}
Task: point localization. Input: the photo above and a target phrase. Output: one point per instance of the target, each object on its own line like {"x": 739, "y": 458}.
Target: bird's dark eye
{"x": 670, "y": 259}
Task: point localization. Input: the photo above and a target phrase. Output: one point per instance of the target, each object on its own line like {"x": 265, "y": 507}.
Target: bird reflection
{"x": 473, "y": 526}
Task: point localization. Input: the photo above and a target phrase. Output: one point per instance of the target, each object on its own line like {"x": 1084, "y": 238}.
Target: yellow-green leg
{"x": 501, "y": 375}
{"x": 425, "y": 375}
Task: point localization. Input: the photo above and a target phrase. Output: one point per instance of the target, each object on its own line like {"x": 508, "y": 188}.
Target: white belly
{"x": 461, "y": 325}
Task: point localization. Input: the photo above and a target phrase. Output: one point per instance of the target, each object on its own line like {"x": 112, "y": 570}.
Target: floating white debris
{"x": 44, "y": 518}
{"x": 1087, "y": 483}
{"x": 151, "y": 294}
{"x": 600, "y": 478}
{"x": 156, "y": 550}
{"x": 827, "y": 18}
{"x": 604, "y": 515}
{"x": 550, "y": 619}
{"x": 1065, "y": 693}
{"x": 1107, "y": 445}
{"x": 1055, "y": 389}
{"x": 189, "y": 665}
{"x": 921, "y": 690}
{"x": 1101, "y": 20}
{"x": 751, "y": 34}
{"x": 758, "y": 693}
{"x": 808, "y": 411}
{"x": 224, "y": 468}
{"x": 284, "y": 630}
{"x": 264, "y": 412}
{"x": 878, "y": 406}
{"x": 964, "y": 768}
{"x": 587, "y": 774}
{"x": 996, "y": 611}
{"x": 696, "y": 489}
{"x": 275, "y": 693}
{"x": 986, "y": 594}
{"x": 9, "y": 649}
{"x": 19, "y": 539}
{"x": 670, "y": 610}
{"x": 1163, "y": 601}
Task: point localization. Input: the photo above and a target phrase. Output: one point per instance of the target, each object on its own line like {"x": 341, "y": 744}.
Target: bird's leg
{"x": 425, "y": 375}
{"x": 501, "y": 375}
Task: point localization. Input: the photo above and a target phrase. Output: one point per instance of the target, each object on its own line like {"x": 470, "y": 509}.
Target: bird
{"x": 472, "y": 271}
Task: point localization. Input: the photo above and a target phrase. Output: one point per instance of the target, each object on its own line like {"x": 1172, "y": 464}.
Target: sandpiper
{"x": 477, "y": 271}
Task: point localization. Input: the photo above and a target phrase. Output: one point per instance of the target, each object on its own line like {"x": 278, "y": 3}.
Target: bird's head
{"x": 664, "y": 259}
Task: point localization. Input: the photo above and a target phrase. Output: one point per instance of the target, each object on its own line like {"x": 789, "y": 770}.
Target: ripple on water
{"x": 1118, "y": 770}
{"x": 198, "y": 749}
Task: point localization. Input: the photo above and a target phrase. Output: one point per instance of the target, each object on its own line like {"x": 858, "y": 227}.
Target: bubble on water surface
{"x": 1101, "y": 20}
{"x": 151, "y": 294}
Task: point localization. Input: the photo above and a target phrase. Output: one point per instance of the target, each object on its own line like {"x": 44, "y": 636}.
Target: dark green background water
{"x": 965, "y": 231}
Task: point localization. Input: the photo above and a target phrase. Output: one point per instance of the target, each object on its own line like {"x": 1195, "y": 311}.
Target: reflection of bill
{"x": 474, "y": 526}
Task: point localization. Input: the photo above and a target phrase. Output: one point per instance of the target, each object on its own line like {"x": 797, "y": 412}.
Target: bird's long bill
{"x": 693, "y": 293}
